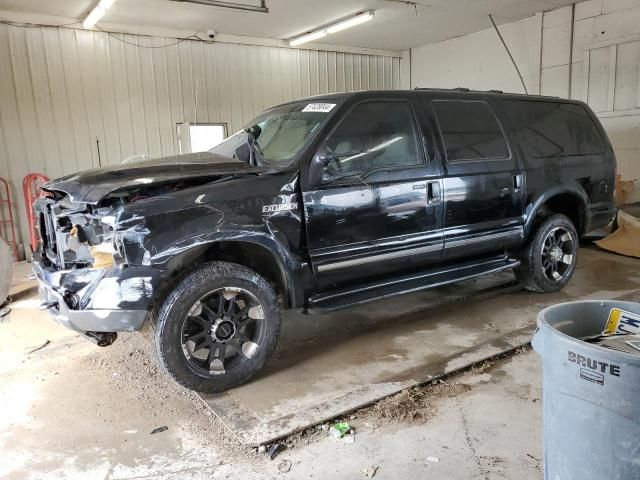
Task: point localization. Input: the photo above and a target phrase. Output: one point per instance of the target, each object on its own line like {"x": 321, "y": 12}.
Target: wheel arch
{"x": 571, "y": 201}
{"x": 261, "y": 255}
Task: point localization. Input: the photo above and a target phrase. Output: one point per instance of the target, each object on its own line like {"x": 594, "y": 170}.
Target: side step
{"x": 339, "y": 299}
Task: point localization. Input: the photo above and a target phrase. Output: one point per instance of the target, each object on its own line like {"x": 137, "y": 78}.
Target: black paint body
{"x": 391, "y": 221}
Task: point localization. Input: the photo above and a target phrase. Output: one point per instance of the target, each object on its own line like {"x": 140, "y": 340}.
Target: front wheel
{"x": 218, "y": 328}
{"x": 549, "y": 259}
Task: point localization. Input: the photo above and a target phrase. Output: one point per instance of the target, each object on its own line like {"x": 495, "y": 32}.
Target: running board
{"x": 339, "y": 299}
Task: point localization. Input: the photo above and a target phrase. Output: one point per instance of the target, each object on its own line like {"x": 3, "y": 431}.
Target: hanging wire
{"x": 513, "y": 61}
{"x": 115, "y": 36}
{"x": 178, "y": 41}
{"x": 34, "y": 25}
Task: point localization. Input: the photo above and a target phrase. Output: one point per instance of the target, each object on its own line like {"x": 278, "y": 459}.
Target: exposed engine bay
{"x": 81, "y": 235}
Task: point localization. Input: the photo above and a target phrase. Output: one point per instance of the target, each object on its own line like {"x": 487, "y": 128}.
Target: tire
{"x": 540, "y": 257}
{"x": 217, "y": 328}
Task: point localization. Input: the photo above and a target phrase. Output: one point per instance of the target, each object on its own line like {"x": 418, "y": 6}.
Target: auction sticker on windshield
{"x": 319, "y": 107}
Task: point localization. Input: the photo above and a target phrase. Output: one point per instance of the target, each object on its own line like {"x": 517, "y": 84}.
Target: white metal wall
{"x": 596, "y": 58}
{"x": 590, "y": 52}
{"x": 74, "y": 99}
{"x": 479, "y": 61}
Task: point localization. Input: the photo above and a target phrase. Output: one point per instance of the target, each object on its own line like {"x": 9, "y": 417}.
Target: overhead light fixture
{"x": 309, "y": 37}
{"x": 97, "y": 13}
{"x": 262, "y": 8}
{"x": 350, "y": 22}
{"x": 333, "y": 28}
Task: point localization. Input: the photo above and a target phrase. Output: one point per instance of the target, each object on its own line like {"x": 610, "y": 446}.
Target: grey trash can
{"x": 591, "y": 395}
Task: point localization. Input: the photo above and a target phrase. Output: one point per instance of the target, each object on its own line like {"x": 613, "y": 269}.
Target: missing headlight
{"x": 103, "y": 255}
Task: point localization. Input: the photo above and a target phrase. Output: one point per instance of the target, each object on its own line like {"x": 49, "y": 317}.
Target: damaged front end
{"x": 74, "y": 235}
{"x": 85, "y": 282}
{"x": 100, "y": 230}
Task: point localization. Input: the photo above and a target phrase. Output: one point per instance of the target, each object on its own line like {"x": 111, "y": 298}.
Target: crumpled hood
{"x": 91, "y": 186}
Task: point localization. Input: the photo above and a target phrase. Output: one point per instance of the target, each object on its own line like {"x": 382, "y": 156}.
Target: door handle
{"x": 434, "y": 193}
{"x": 517, "y": 182}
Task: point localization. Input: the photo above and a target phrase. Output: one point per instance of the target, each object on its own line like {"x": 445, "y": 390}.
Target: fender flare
{"x": 572, "y": 189}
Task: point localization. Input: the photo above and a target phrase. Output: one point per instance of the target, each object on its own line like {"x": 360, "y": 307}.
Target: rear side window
{"x": 548, "y": 129}
{"x": 470, "y": 131}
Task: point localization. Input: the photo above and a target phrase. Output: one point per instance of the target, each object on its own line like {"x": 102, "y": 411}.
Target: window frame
{"x": 420, "y": 142}
{"x": 224, "y": 125}
{"x": 509, "y": 156}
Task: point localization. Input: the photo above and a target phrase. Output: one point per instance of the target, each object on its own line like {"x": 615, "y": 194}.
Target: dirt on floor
{"x": 418, "y": 404}
{"x": 410, "y": 405}
{"x": 131, "y": 372}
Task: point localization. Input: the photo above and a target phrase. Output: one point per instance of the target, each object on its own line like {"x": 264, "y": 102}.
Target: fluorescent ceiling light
{"x": 97, "y": 13}
{"x": 334, "y": 28}
{"x": 235, "y": 6}
{"x": 350, "y": 22}
{"x": 309, "y": 37}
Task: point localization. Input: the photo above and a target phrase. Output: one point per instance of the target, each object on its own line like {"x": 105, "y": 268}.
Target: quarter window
{"x": 373, "y": 135}
{"x": 551, "y": 129}
{"x": 470, "y": 131}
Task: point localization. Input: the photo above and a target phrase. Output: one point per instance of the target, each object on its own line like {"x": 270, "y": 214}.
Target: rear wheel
{"x": 218, "y": 328}
{"x": 549, "y": 259}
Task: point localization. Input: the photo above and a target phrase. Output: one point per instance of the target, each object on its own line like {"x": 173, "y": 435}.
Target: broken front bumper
{"x": 90, "y": 300}
{"x": 84, "y": 321}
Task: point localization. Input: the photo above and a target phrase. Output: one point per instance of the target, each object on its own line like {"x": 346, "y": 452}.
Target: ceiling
{"x": 396, "y": 25}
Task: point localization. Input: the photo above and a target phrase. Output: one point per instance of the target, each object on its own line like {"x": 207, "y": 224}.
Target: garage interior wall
{"x": 74, "y": 99}
{"x": 590, "y": 52}
{"x": 479, "y": 60}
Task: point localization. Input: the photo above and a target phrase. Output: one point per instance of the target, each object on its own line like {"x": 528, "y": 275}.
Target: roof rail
{"x": 458, "y": 89}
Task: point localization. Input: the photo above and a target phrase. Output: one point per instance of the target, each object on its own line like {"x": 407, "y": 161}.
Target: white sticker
{"x": 621, "y": 321}
{"x": 319, "y": 107}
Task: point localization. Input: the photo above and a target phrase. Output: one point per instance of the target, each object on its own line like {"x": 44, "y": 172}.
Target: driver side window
{"x": 375, "y": 134}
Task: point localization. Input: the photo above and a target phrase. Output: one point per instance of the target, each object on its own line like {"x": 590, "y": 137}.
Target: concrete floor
{"x": 72, "y": 410}
{"x": 331, "y": 364}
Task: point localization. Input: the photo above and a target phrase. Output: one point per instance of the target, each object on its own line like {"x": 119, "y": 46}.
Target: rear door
{"x": 375, "y": 212}
{"x": 483, "y": 182}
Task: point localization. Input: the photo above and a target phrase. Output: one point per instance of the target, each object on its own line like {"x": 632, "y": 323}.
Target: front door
{"x": 377, "y": 208}
{"x": 483, "y": 183}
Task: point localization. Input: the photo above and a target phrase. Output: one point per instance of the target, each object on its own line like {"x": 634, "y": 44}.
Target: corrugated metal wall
{"x": 74, "y": 99}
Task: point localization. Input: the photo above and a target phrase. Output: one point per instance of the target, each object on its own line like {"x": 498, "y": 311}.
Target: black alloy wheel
{"x": 222, "y": 330}
{"x": 549, "y": 259}
{"x": 558, "y": 253}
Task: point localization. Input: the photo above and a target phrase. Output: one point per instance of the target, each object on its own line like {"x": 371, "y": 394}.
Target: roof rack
{"x": 459, "y": 89}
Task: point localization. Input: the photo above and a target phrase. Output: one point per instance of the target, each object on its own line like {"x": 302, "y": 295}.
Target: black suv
{"x": 321, "y": 204}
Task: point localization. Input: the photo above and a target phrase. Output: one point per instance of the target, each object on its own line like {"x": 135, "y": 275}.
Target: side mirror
{"x": 243, "y": 153}
{"x": 318, "y": 168}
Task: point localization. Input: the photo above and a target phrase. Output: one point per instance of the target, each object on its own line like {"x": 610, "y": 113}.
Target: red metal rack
{"x": 31, "y": 189}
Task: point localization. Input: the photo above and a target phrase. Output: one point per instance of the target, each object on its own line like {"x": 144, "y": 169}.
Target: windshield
{"x": 283, "y": 132}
